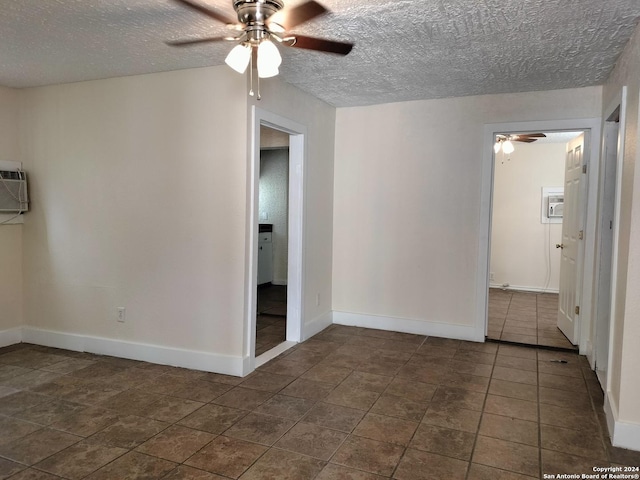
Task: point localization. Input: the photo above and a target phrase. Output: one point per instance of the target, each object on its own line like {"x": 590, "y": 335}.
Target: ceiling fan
{"x": 259, "y": 24}
{"x": 503, "y": 141}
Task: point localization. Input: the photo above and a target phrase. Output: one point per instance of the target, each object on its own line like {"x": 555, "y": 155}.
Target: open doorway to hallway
{"x": 273, "y": 212}
{"x": 528, "y": 211}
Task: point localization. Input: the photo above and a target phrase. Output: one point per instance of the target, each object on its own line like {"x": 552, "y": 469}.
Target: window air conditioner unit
{"x": 13, "y": 192}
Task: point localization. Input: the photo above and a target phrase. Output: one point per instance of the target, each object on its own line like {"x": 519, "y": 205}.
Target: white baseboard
{"x": 520, "y": 288}
{"x": 10, "y": 336}
{"x": 623, "y": 434}
{"x": 209, "y": 362}
{"x": 316, "y": 325}
{"x": 407, "y": 325}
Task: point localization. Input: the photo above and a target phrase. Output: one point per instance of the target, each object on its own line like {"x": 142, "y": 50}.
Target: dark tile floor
{"x": 350, "y": 404}
{"x": 271, "y": 321}
{"x": 524, "y": 317}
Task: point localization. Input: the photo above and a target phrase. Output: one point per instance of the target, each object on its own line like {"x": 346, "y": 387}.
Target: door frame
{"x": 618, "y": 102}
{"x": 297, "y": 154}
{"x": 592, "y": 125}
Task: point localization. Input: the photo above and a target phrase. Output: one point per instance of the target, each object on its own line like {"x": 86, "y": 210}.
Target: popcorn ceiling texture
{"x": 405, "y": 49}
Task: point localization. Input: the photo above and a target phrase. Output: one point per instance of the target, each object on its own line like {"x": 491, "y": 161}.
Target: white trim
{"x": 273, "y": 353}
{"x": 297, "y": 154}
{"x": 623, "y": 434}
{"x": 521, "y": 288}
{"x": 408, "y": 325}
{"x": 592, "y": 125}
{"x": 10, "y": 336}
{"x": 205, "y": 361}
{"x": 316, "y": 325}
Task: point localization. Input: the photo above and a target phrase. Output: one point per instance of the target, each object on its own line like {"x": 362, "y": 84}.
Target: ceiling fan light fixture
{"x": 497, "y": 146}
{"x": 269, "y": 59}
{"x": 239, "y": 58}
{"x": 507, "y": 147}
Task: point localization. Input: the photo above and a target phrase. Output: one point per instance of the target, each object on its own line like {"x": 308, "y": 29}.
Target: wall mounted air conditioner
{"x": 14, "y": 196}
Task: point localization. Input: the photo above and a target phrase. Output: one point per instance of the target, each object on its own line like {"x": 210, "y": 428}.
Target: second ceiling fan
{"x": 503, "y": 141}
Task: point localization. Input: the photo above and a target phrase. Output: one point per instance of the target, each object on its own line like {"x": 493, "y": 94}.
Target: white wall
{"x": 523, "y": 252}
{"x": 139, "y": 188}
{"x": 274, "y": 200}
{"x": 10, "y": 235}
{"x": 625, "y": 354}
{"x": 407, "y": 201}
{"x": 288, "y": 101}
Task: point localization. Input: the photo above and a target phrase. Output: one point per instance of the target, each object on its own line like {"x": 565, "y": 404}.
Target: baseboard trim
{"x": 520, "y": 288}
{"x": 316, "y": 325}
{"x": 178, "y": 357}
{"x": 10, "y": 336}
{"x": 623, "y": 434}
{"x": 407, "y": 325}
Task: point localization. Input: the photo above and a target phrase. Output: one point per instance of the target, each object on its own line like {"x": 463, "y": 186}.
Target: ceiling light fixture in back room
{"x": 260, "y": 23}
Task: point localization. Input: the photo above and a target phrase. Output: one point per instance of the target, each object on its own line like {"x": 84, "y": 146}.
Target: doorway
{"x": 585, "y": 282}
{"x": 527, "y": 220}
{"x": 273, "y": 250}
{"x": 296, "y": 133}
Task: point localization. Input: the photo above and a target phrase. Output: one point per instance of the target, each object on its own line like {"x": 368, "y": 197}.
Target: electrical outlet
{"x": 492, "y": 276}
{"x": 121, "y": 314}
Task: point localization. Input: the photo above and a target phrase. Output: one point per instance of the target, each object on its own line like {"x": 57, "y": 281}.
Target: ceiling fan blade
{"x": 208, "y": 11}
{"x": 533, "y": 135}
{"x": 321, "y": 45}
{"x": 195, "y": 41}
{"x": 525, "y": 140}
{"x": 289, "y": 18}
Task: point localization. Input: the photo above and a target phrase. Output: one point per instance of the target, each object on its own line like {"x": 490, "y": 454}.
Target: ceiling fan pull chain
{"x": 251, "y": 74}
{"x": 258, "y": 87}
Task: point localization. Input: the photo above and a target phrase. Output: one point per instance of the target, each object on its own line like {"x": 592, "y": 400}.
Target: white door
{"x": 572, "y": 233}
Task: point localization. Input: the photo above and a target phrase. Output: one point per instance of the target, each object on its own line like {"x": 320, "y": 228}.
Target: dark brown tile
{"x": 244, "y": 398}
{"x": 13, "y": 429}
{"x": 482, "y": 472}
{"x": 475, "y": 357}
{"x": 20, "y": 401}
{"x": 554, "y": 463}
{"x": 574, "y": 442}
{"x": 622, "y": 455}
{"x": 32, "y": 474}
{"x": 213, "y": 418}
{"x": 302, "y": 388}
{"x": 510, "y": 429}
{"x": 264, "y": 429}
{"x": 286, "y": 407}
{"x": 134, "y": 465}
{"x": 386, "y": 429}
{"x": 512, "y": 407}
{"x": 505, "y": 455}
{"x": 338, "y": 472}
{"x": 399, "y": 407}
{"x": 170, "y": 409}
{"x": 327, "y": 374}
{"x": 188, "y": 473}
{"x": 128, "y": 432}
{"x": 284, "y": 465}
{"x": 522, "y": 391}
{"x": 515, "y": 375}
{"x": 458, "y": 397}
{"x": 453, "y": 417}
{"x": 367, "y": 381}
{"x": 312, "y": 440}
{"x": 468, "y": 368}
{"x": 369, "y": 455}
{"x": 87, "y": 422}
{"x": 574, "y": 417}
{"x": 416, "y": 391}
{"x": 563, "y": 382}
{"x": 352, "y": 397}
{"x": 380, "y": 366}
{"x": 268, "y": 382}
{"x": 36, "y": 446}
{"x": 412, "y": 467}
{"x": 130, "y": 402}
{"x": 336, "y": 417}
{"x": 176, "y": 443}
{"x": 80, "y": 460}
{"x": 443, "y": 441}
{"x": 528, "y": 364}
{"x": 515, "y": 351}
{"x": 8, "y": 468}
{"x": 227, "y": 456}
{"x": 50, "y": 412}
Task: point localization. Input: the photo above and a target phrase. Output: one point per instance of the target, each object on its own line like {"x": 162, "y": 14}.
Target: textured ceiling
{"x": 405, "y": 49}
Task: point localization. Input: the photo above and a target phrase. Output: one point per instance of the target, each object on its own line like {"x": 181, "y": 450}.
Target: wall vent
{"x": 14, "y": 196}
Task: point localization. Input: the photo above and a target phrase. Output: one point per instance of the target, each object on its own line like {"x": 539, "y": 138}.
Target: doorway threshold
{"x": 531, "y": 345}
{"x": 273, "y": 353}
